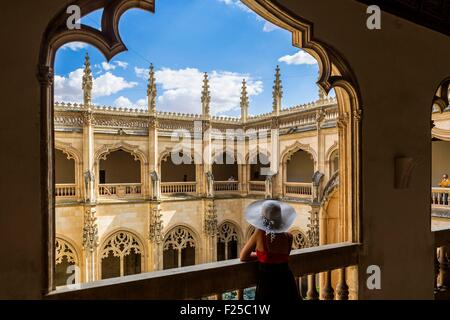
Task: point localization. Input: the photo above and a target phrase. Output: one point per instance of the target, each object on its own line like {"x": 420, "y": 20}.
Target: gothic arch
{"x": 289, "y": 151}
{"x": 334, "y": 73}
{"x": 250, "y": 230}
{"x": 103, "y": 152}
{"x": 69, "y": 150}
{"x": 182, "y": 236}
{"x": 442, "y": 96}
{"x": 121, "y": 242}
{"x": 234, "y": 225}
{"x": 333, "y": 148}
{"x": 66, "y": 247}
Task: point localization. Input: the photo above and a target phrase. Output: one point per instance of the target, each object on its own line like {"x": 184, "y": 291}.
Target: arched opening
{"x": 65, "y": 176}
{"x": 177, "y": 172}
{"x": 121, "y": 255}
{"x": 259, "y": 167}
{"x": 334, "y": 162}
{"x": 179, "y": 248}
{"x": 227, "y": 242}
{"x": 300, "y": 167}
{"x": 119, "y": 174}
{"x": 226, "y": 173}
{"x": 66, "y": 264}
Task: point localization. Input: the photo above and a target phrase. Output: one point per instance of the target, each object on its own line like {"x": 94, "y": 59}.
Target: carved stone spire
{"x": 244, "y": 102}
{"x": 277, "y": 92}
{"x": 206, "y": 96}
{"x": 322, "y": 94}
{"x": 87, "y": 82}
{"x": 151, "y": 91}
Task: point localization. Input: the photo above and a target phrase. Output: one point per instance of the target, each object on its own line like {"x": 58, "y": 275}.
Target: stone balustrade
{"x": 120, "y": 190}
{"x": 442, "y": 264}
{"x": 298, "y": 190}
{"x": 226, "y": 186}
{"x": 257, "y": 187}
{"x": 440, "y": 197}
{"x": 212, "y": 279}
{"x": 66, "y": 191}
{"x": 168, "y": 188}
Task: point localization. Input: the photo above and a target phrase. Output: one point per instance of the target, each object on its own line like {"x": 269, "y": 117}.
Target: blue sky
{"x": 183, "y": 39}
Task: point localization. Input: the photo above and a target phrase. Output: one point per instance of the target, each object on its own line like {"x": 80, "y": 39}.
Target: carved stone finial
{"x": 277, "y": 92}
{"x": 151, "y": 91}
{"x": 206, "y": 96}
{"x": 244, "y": 102}
{"x": 87, "y": 82}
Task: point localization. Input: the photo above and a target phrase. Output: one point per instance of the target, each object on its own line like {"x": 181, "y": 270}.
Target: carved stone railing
{"x": 211, "y": 279}
{"x": 226, "y": 186}
{"x": 120, "y": 190}
{"x": 440, "y": 197}
{"x": 442, "y": 264}
{"x": 66, "y": 191}
{"x": 178, "y": 187}
{"x": 257, "y": 187}
{"x": 298, "y": 190}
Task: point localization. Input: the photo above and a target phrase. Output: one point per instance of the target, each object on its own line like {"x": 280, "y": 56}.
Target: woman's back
{"x": 273, "y": 250}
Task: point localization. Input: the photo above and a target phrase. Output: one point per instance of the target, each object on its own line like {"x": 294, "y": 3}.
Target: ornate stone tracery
{"x": 178, "y": 239}
{"x": 228, "y": 232}
{"x": 63, "y": 249}
{"x": 121, "y": 244}
{"x": 300, "y": 240}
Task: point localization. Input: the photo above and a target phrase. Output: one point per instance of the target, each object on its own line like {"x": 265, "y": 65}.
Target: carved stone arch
{"x": 236, "y": 227}
{"x": 129, "y": 232}
{"x": 103, "y": 152}
{"x": 65, "y": 247}
{"x": 331, "y": 150}
{"x": 442, "y": 96}
{"x": 166, "y": 153}
{"x": 69, "y": 150}
{"x": 249, "y": 232}
{"x": 300, "y": 239}
{"x": 251, "y": 155}
{"x": 187, "y": 228}
{"x": 289, "y": 151}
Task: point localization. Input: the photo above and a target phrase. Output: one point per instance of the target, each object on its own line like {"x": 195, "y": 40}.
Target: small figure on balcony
{"x": 445, "y": 183}
{"x": 231, "y": 178}
{"x": 271, "y": 245}
{"x": 210, "y": 184}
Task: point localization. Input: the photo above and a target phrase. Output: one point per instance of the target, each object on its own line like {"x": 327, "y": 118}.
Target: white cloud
{"x": 298, "y": 58}
{"x": 113, "y": 65}
{"x": 269, "y": 27}
{"x": 108, "y": 66}
{"x": 181, "y": 90}
{"x": 142, "y": 103}
{"x": 122, "y": 102}
{"x": 141, "y": 73}
{"x": 68, "y": 89}
{"x": 121, "y": 64}
{"x": 74, "y": 46}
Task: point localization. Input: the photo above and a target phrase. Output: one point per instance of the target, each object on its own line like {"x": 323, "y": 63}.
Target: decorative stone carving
{"x": 64, "y": 250}
{"x": 151, "y": 91}
{"x": 244, "y": 102}
{"x": 121, "y": 244}
{"x": 178, "y": 239}
{"x": 46, "y": 76}
{"x": 300, "y": 240}
{"x": 210, "y": 222}
{"x": 209, "y": 184}
{"x": 90, "y": 229}
{"x": 156, "y": 225}
{"x": 228, "y": 233}
{"x": 206, "y": 96}
{"x": 277, "y": 92}
{"x": 87, "y": 82}
{"x": 156, "y": 185}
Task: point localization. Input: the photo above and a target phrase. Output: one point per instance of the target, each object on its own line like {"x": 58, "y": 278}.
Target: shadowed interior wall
{"x": 171, "y": 172}
{"x": 64, "y": 168}
{"x": 300, "y": 168}
{"x": 120, "y": 167}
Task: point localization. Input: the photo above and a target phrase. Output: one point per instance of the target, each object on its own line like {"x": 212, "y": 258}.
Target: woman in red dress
{"x": 271, "y": 245}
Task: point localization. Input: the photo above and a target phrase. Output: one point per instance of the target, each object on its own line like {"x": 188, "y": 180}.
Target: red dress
{"x": 275, "y": 279}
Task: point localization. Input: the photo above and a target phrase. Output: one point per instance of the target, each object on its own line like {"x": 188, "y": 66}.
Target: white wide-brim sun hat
{"x": 270, "y": 215}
